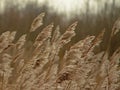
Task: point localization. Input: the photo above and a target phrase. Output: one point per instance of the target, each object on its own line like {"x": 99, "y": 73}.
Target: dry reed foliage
{"x": 82, "y": 69}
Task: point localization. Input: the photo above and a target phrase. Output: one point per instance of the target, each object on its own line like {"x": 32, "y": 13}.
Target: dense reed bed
{"x": 42, "y": 68}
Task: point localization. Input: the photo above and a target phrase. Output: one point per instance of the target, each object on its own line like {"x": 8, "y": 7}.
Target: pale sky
{"x": 65, "y": 7}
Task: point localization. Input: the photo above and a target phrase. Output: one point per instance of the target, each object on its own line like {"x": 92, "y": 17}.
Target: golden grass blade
{"x": 116, "y": 27}
{"x": 69, "y": 33}
{"x": 44, "y": 35}
{"x": 37, "y": 22}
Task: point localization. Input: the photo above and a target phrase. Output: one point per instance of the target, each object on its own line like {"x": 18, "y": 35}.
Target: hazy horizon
{"x": 68, "y": 8}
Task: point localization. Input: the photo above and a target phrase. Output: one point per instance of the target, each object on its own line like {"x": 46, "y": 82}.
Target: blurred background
{"x": 92, "y": 16}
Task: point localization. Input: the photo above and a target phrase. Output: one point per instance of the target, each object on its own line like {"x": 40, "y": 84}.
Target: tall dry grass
{"x": 41, "y": 68}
